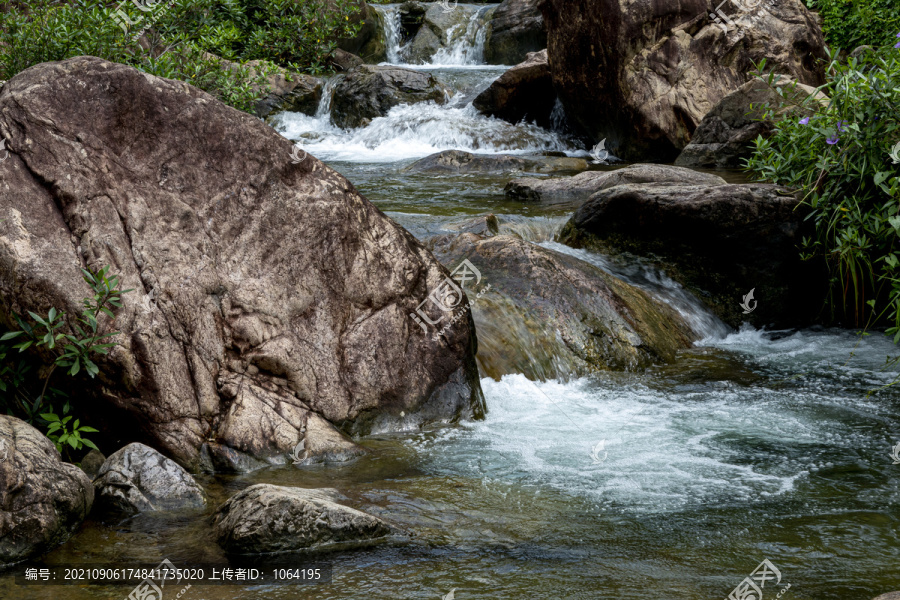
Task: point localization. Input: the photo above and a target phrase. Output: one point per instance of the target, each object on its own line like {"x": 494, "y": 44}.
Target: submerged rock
{"x": 138, "y": 479}
{"x": 369, "y": 91}
{"x": 525, "y": 92}
{"x": 579, "y": 188}
{"x": 515, "y": 29}
{"x": 550, "y": 315}
{"x": 720, "y": 242}
{"x": 725, "y": 136}
{"x": 458, "y": 161}
{"x": 268, "y": 518}
{"x": 240, "y": 258}
{"x": 654, "y": 69}
{"x": 485, "y": 226}
{"x": 43, "y": 500}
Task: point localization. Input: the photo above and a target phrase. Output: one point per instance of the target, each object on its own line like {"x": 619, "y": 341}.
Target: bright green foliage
{"x": 297, "y": 34}
{"x": 188, "y": 38}
{"x": 65, "y": 434}
{"x": 843, "y": 158}
{"x": 73, "y": 343}
{"x": 851, "y": 23}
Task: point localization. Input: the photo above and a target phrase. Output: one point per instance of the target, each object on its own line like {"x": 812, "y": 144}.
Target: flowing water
{"x": 672, "y": 483}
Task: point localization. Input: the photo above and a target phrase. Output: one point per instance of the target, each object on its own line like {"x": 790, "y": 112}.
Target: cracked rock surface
{"x": 137, "y": 478}
{"x": 268, "y": 292}
{"x": 43, "y": 500}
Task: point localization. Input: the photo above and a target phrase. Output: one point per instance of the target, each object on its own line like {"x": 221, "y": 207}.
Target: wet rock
{"x": 43, "y": 500}
{"x": 345, "y": 61}
{"x": 437, "y": 29}
{"x": 484, "y": 226}
{"x": 656, "y": 68}
{"x": 550, "y": 315}
{"x": 92, "y": 462}
{"x": 578, "y": 188}
{"x": 285, "y": 90}
{"x": 423, "y": 47}
{"x": 889, "y": 596}
{"x": 238, "y": 257}
{"x": 368, "y": 92}
{"x": 138, "y": 479}
{"x": 458, "y": 161}
{"x": 369, "y": 42}
{"x": 720, "y": 242}
{"x": 515, "y": 29}
{"x": 268, "y": 518}
{"x": 525, "y": 92}
{"x": 725, "y": 136}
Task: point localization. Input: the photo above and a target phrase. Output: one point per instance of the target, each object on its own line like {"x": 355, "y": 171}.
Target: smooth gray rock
{"x": 137, "y": 479}
{"x": 43, "y": 500}
{"x": 266, "y": 518}
{"x": 92, "y": 462}
{"x": 579, "y": 188}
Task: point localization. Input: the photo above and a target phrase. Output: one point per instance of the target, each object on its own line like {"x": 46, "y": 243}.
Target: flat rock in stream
{"x": 265, "y": 518}
{"x": 137, "y": 479}
{"x": 579, "y": 188}
{"x": 458, "y": 161}
{"x": 43, "y": 500}
{"x": 551, "y": 315}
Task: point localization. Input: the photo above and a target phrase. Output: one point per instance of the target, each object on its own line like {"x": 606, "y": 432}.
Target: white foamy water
{"x": 415, "y": 131}
{"x": 671, "y": 447}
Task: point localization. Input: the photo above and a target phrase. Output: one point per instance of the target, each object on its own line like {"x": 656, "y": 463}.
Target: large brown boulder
{"x": 550, "y": 315}
{"x": 525, "y": 92}
{"x": 725, "y": 136}
{"x": 43, "y": 500}
{"x": 369, "y": 91}
{"x": 267, "y": 291}
{"x": 720, "y": 242}
{"x": 515, "y": 29}
{"x": 643, "y": 73}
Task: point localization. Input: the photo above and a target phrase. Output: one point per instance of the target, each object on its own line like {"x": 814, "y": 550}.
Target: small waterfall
{"x": 324, "y": 108}
{"x": 468, "y": 48}
{"x": 390, "y": 16}
{"x": 701, "y": 320}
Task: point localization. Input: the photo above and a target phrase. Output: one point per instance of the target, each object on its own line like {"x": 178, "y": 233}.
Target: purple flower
{"x": 841, "y": 126}
{"x": 804, "y": 121}
{"x": 898, "y": 43}
{"x": 831, "y": 141}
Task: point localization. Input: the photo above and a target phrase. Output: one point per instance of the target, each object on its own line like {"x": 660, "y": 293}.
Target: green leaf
{"x": 10, "y": 335}
{"x": 49, "y": 417}
{"x": 90, "y": 444}
{"x": 88, "y": 429}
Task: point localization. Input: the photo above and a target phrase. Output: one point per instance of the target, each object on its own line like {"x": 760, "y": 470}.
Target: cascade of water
{"x": 701, "y": 320}
{"x": 390, "y": 16}
{"x": 324, "y": 107}
{"x": 468, "y": 48}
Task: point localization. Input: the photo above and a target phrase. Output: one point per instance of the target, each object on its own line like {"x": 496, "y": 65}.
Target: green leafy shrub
{"x": 843, "y": 158}
{"x": 851, "y": 23}
{"x": 71, "y": 343}
{"x": 188, "y": 40}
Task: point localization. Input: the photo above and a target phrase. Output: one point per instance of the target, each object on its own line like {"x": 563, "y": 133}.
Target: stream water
{"x": 672, "y": 483}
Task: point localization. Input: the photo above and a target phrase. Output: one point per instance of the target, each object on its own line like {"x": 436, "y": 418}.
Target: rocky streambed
{"x": 603, "y": 418}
